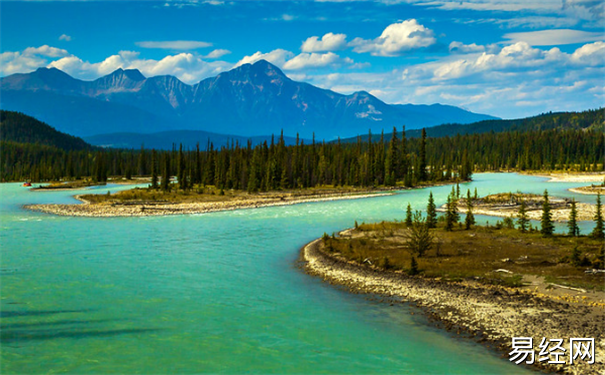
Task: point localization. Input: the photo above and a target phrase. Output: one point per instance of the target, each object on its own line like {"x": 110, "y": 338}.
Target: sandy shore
{"x": 586, "y": 212}
{"x": 88, "y": 209}
{"x": 571, "y": 177}
{"x": 589, "y": 190}
{"x": 490, "y": 314}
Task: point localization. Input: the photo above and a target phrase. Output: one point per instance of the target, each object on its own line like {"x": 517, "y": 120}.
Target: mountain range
{"x": 250, "y": 100}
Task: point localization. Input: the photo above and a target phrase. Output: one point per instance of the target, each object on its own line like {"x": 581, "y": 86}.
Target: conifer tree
{"x": 572, "y": 224}
{"x": 166, "y": 172}
{"x": 390, "y": 166}
{"x": 154, "y": 172}
{"x": 470, "y": 218}
{"x": 548, "y": 227}
{"x": 421, "y": 166}
{"x": 597, "y": 232}
{"x": 431, "y": 212}
{"x": 451, "y": 213}
{"x": 522, "y": 219}
{"x": 408, "y": 216}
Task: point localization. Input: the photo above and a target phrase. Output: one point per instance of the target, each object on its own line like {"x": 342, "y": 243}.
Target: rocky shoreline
{"x": 570, "y": 177}
{"x": 586, "y": 212}
{"x": 491, "y": 314}
{"x": 589, "y": 190}
{"x": 87, "y": 209}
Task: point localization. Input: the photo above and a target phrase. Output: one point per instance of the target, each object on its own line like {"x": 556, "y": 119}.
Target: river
{"x": 214, "y": 293}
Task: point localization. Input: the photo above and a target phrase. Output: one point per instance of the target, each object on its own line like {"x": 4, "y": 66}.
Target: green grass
{"x": 474, "y": 254}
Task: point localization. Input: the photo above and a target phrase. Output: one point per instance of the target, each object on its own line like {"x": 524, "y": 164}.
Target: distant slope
{"x": 246, "y": 101}
{"x": 591, "y": 119}
{"x": 20, "y": 128}
{"x": 188, "y": 138}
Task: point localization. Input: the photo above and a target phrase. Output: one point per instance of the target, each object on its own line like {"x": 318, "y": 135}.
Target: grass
{"x": 474, "y": 254}
{"x": 212, "y": 194}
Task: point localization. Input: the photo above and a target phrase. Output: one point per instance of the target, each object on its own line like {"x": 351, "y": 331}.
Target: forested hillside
{"x": 20, "y": 128}
{"x": 591, "y": 119}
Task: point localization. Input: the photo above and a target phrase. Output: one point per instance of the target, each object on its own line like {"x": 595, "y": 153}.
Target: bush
{"x": 419, "y": 237}
{"x": 508, "y": 223}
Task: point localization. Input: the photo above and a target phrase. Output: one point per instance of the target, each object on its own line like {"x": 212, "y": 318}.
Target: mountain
{"x": 19, "y": 128}
{"x": 593, "y": 119}
{"x": 188, "y": 138}
{"x": 249, "y": 100}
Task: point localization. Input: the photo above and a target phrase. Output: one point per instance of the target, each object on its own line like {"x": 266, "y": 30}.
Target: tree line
{"x": 273, "y": 165}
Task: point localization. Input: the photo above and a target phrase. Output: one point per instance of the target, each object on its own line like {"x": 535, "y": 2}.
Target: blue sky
{"x": 511, "y": 58}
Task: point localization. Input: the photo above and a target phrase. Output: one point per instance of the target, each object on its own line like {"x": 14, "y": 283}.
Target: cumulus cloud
{"x": 459, "y": 47}
{"x": 217, "y": 53}
{"x": 396, "y": 39}
{"x": 288, "y": 61}
{"x": 277, "y": 57}
{"x": 589, "y": 54}
{"x": 29, "y": 59}
{"x": 555, "y": 37}
{"x": 315, "y": 60}
{"x": 65, "y": 37}
{"x": 328, "y": 42}
{"x": 187, "y": 67}
{"x": 179, "y": 45}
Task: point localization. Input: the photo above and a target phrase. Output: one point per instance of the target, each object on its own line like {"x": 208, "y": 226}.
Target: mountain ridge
{"x": 248, "y": 100}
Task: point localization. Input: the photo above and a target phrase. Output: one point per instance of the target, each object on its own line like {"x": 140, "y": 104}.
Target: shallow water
{"x": 213, "y": 293}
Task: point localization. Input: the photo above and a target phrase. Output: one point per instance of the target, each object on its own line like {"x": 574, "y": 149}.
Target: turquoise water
{"x": 213, "y": 293}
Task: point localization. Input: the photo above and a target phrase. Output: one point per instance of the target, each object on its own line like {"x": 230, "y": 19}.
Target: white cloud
{"x": 459, "y": 47}
{"x": 396, "y": 39}
{"x": 46, "y": 51}
{"x": 288, "y": 61}
{"x": 555, "y": 37}
{"x": 328, "y": 42}
{"x": 217, "y": 53}
{"x": 277, "y": 57}
{"x": 180, "y": 45}
{"x": 590, "y": 54}
{"x": 187, "y": 67}
{"x": 287, "y": 17}
{"x": 65, "y": 37}
{"x": 29, "y": 59}
{"x": 315, "y": 60}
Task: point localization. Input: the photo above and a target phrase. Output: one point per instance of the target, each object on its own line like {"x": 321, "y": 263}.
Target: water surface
{"x": 213, "y": 293}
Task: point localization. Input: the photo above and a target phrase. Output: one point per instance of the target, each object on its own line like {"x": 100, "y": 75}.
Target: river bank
{"x": 110, "y": 209}
{"x": 491, "y": 314}
{"x": 507, "y": 205}
{"x": 569, "y": 176}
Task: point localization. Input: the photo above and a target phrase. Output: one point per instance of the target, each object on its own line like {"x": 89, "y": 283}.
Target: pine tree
{"x": 421, "y": 167}
{"x": 449, "y": 213}
{"x": 154, "y": 172}
{"x": 390, "y": 163}
{"x": 408, "y": 216}
{"x": 470, "y": 218}
{"x": 166, "y": 173}
{"x": 431, "y": 212}
{"x": 597, "y": 232}
{"x": 522, "y": 219}
{"x": 572, "y": 224}
{"x": 548, "y": 227}
{"x": 181, "y": 169}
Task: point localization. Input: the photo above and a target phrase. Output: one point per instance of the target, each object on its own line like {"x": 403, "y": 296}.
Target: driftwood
{"x": 503, "y": 270}
{"x": 568, "y": 287}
